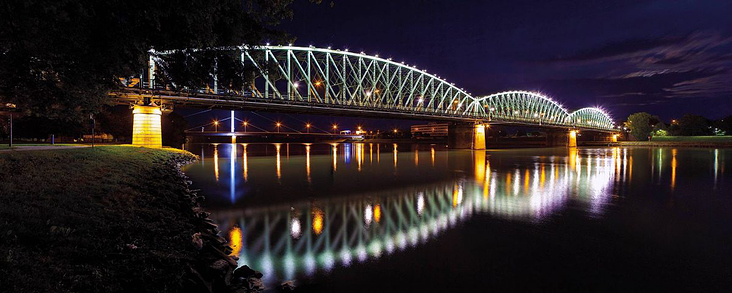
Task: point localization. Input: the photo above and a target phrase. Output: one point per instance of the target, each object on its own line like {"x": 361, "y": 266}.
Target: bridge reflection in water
{"x": 302, "y": 237}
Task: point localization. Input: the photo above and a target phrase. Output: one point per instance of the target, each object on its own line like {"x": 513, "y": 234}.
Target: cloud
{"x": 650, "y": 71}
{"x": 619, "y": 49}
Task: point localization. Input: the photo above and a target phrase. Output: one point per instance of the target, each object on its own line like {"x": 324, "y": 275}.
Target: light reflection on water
{"x": 324, "y": 211}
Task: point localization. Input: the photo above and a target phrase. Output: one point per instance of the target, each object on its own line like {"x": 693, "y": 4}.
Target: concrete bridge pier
{"x": 466, "y": 136}
{"x": 566, "y": 138}
{"x": 146, "y": 126}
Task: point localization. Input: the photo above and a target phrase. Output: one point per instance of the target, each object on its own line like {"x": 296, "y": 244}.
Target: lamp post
{"x": 307, "y": 128}
{"x": 245, "y": 125}
{"x": 278, "y": 126}
{"x": 10, "y": 144}
{"x": 335, "y": 128}
{"x": 216, "y": 126}
{"x": 94, "y": 124}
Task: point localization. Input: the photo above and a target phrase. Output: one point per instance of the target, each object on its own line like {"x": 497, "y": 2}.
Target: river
{"x": 367, "y": 217}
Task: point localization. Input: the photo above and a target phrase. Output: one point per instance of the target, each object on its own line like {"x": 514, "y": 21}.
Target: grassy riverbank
{"x": 683, "y": 141}
{"x": 704, "y": 139}
{"x": 105, "y": 219}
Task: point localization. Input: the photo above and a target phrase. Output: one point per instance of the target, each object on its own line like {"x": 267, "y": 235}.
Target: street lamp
{"x": 245, "y": 123}
{"x": 335, "y": 127}
{"x": 307, "y": 127}
{"x": 216, "y": 126}
{"x": 278, "y": 124}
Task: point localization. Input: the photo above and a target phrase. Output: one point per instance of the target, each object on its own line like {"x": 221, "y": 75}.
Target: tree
{"x": 724, "y": 125}
{"x": 174, "y": 127}
{"x": 59, "y": 59}
{"x": 641, "y": 125}
{"x": 660, "y": 129}
{"x": 116, "y": 121}
{"x": 694, "y": 125}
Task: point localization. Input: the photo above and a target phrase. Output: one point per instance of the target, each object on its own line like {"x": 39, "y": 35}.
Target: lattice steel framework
{"x": 522, "y": 106}
{"x": 338, "y": 79}
{"x": 591, "y": 118}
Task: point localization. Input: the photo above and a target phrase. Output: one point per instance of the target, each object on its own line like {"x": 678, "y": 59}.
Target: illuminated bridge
{"x": 336, "y": 82}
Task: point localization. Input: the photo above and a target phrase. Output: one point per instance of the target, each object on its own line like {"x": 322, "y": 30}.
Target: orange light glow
{"x": 235, "y": 240}
{"x": 377, "y": 213}
{"x": 317, "y": 221}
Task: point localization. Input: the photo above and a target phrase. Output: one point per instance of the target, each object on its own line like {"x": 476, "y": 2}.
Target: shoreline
{"x": 113, "y": 219}
{"x": 691, "y": 144}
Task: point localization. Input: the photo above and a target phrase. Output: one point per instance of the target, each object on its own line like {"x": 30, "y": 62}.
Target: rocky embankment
{"x": 214, "y": 269}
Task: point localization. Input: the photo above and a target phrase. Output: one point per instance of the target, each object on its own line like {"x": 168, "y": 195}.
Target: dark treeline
{"x": 113, "y": 121}
{"x": 643, "y": 126}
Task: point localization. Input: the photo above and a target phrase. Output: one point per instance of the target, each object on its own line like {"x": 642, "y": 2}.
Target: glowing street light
{"x": 335, "y": 127}
{"x": 395, "y": 130}
{"x": 317, "y": 83}
{"x": 216, "y": 125}
{"x": 278, "y": 124}
{"x": 307, "y": 127}
{"x": 245, "y": 123}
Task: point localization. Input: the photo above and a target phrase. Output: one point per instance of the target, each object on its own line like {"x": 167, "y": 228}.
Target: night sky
{"x": 665, "y": 57}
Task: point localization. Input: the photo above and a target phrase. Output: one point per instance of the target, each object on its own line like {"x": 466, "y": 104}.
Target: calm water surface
{"x": 402, "y": 218}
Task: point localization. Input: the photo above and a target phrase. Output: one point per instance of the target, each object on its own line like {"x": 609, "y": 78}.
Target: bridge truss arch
{"x": 332, "y": 81}
{"x": 523, "y": 107}
{"x": 591, "y": 117}
{"x": 342, "y": 78}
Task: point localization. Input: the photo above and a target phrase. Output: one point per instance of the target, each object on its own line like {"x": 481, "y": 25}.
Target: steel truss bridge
{"x": 328, "y": 81}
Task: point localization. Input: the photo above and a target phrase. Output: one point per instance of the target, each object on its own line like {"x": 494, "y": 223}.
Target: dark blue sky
{"x": 665, "y": 57}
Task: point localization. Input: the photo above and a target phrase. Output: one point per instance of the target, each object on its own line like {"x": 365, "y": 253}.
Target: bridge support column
{"x": 557, "y": 138}
{"x": 479, "y": 132}
{"x": 466, "y": 136}
{"x": 572, "y": 142}
{"x": 146, "y": 126}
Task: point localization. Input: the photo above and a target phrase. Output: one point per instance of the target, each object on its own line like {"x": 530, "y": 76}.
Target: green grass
{"x": 726, "y": 138}
{"x": 69, "y": 218}
{"x": 5, "y": 146}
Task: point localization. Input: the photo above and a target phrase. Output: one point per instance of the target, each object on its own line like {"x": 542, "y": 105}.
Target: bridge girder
{"x": 292, "y": 76}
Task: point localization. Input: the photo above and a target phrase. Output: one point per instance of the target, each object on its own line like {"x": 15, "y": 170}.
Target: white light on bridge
{"x": 295, "y": 229}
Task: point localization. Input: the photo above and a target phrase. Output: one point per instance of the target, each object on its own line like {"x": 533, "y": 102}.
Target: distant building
{"x": 430, "y": 131}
